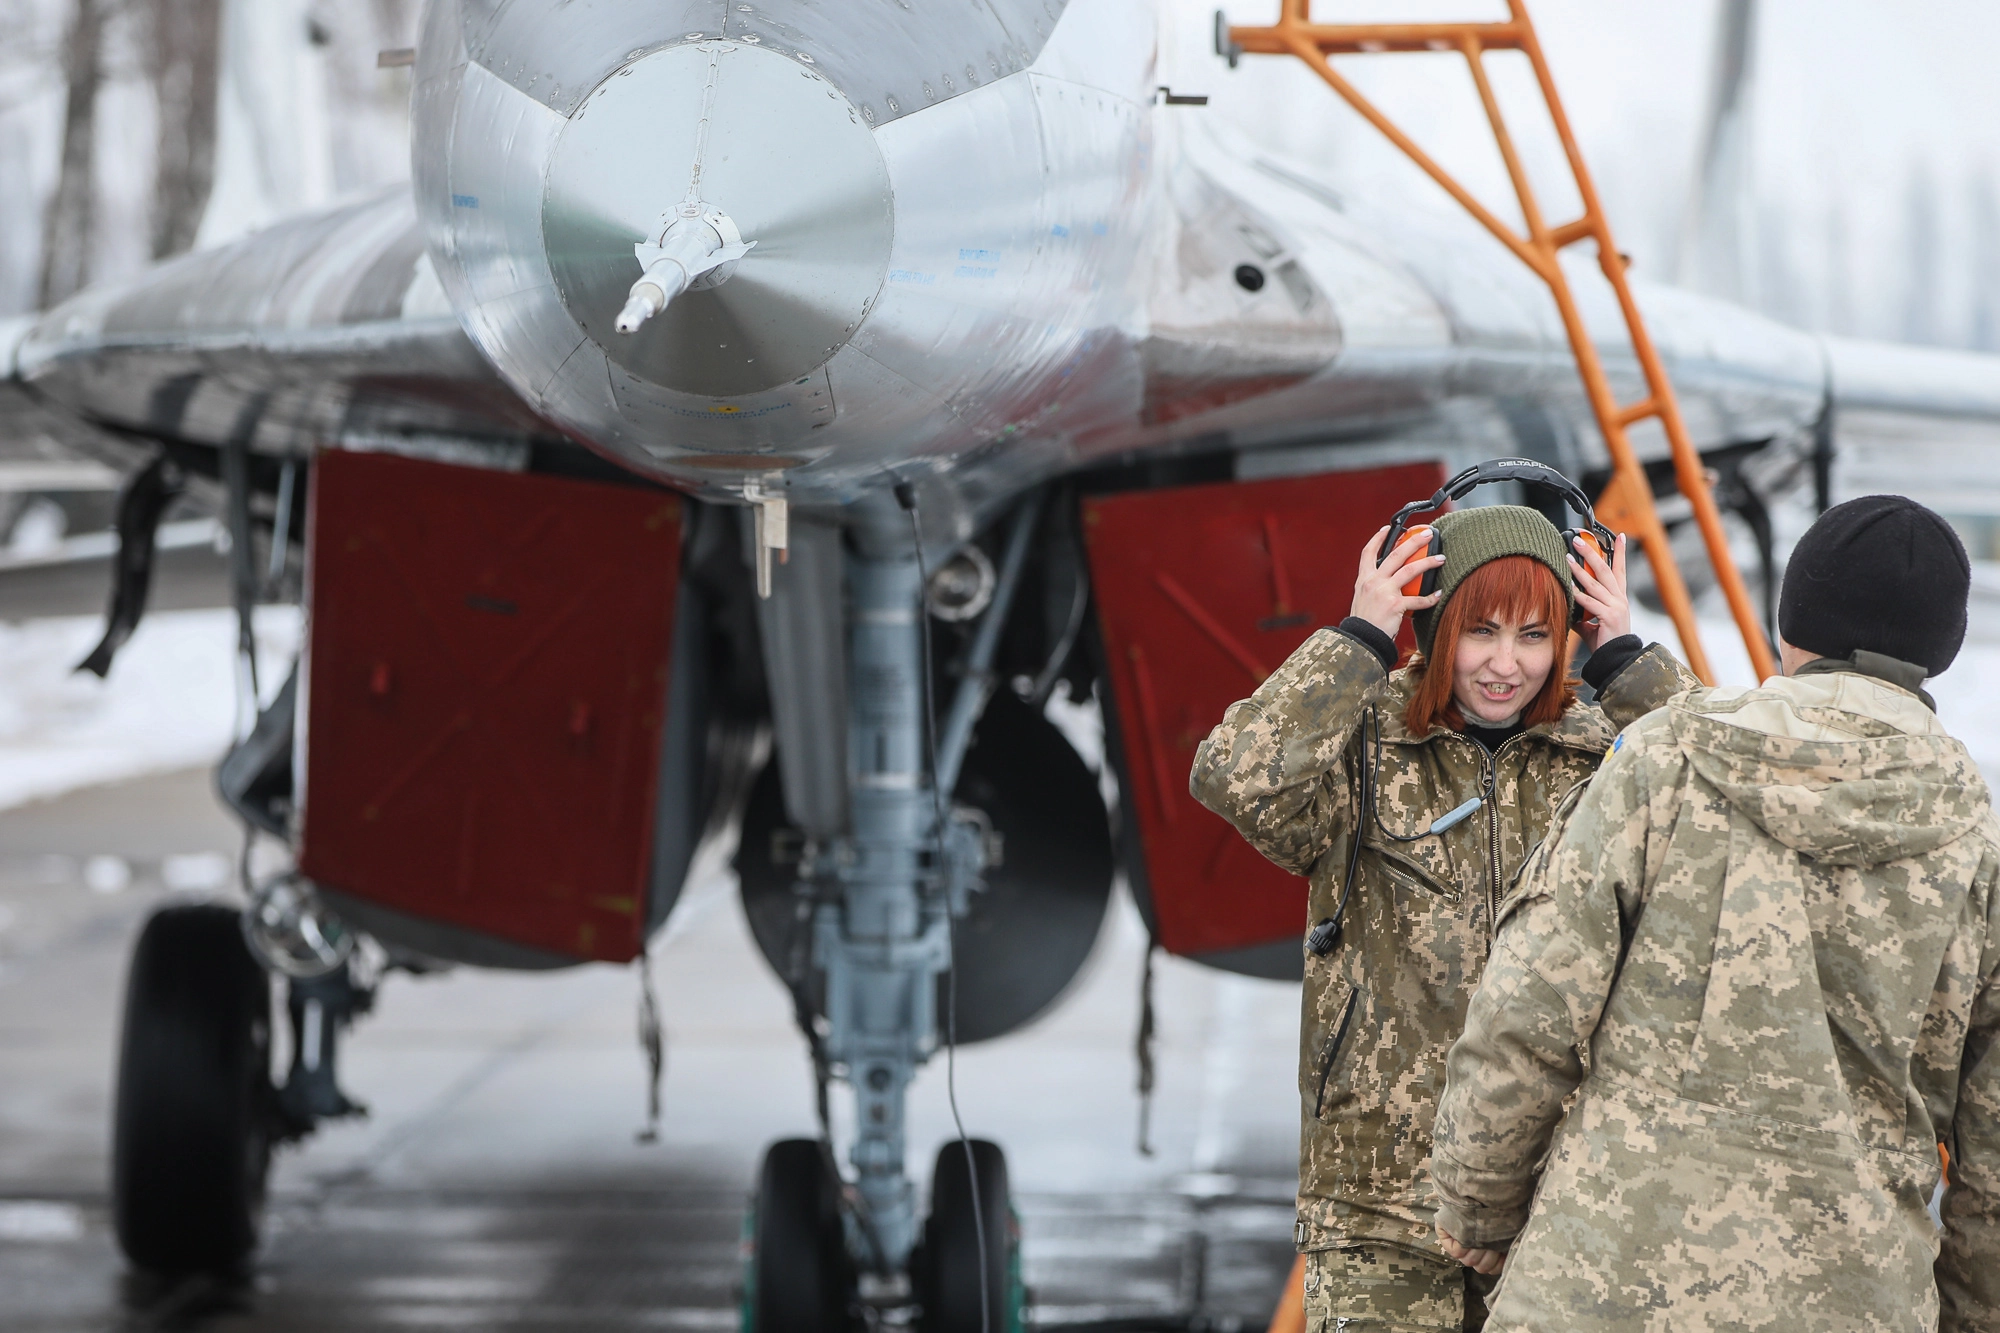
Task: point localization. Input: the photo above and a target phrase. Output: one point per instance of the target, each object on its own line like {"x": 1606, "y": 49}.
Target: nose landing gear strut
{"x": 824, "y": 1251}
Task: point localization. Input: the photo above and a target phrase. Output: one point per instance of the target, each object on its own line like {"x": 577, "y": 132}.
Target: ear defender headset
{"x": 1527, "y": 472}
{"x": 1324, "y": 935}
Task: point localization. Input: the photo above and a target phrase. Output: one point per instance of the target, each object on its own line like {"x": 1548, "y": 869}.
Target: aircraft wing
{"x": 325, "y": 328}
{"x": 1917, "y": 421}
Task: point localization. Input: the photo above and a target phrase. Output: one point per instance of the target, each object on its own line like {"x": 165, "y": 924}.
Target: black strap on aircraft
{"x": 1142, "y": 1045}
{"x": 141, "y": 505}
{"x": 243, "y": 585}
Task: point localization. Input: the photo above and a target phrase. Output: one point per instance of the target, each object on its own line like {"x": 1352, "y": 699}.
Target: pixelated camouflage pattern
{"x": 1760, "y": 955}
{"x": 1382, "y": 1009}
{"x": 1386, "y": 1289}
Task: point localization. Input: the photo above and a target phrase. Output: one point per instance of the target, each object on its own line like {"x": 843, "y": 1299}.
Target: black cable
{"x": 1323, "y": 936}
{"x": 906, "y": 496}
{"x": 1045, "y": 680}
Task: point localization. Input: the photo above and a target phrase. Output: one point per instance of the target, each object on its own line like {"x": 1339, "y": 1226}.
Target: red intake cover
{"x": 487, "y": 659}
{"x": 1201, "y": 592}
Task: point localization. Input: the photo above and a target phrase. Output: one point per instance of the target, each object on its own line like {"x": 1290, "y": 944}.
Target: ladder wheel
{"x": 801, "y": 1278}
{"x": 191, "y": 1131}
{"x": 946, "y": 1270}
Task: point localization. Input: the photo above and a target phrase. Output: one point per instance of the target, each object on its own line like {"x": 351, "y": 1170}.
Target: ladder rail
{"x": 1627, "y": 502}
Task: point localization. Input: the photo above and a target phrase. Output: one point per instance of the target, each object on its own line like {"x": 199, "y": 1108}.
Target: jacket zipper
{"x": 1489, "y": 781}
{"x": 1333, "y": 1051}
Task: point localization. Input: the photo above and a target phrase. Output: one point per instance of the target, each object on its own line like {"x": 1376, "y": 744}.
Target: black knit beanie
{"x": 1881, "y": 573}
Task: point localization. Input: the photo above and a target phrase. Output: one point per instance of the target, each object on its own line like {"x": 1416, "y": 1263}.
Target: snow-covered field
{"x": 169, "y": 702}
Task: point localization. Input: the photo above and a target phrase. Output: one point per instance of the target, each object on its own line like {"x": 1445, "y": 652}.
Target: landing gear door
{"x": 486, "y": 682}
{"x": 1202, "y": 591}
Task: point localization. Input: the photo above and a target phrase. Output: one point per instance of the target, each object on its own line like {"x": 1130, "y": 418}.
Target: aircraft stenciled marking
{"x": 731, "y": 410}
{"x": 701, "y": 125}
{"x": 1149, "y": 711}
{"x": 1228, "y": 840}
{"x": 912, "y": 276}
{"x": 1212, "y": 627}
{"x": 1281, "y": 586}
{"x": 972, "y": 271}
{"x": 465, "y": 201}
{"x": 480, "y": 688}
{"x": 468, "y": 842}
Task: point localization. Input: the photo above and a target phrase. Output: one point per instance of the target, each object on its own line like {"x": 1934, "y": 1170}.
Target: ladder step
{"x": 1373, "y": 38}
{"x": 1639, "y": 411}
{"x": 1572, "y": 232}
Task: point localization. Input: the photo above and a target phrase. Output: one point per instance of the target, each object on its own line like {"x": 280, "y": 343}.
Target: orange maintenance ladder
{"x": 1627, "y": 502}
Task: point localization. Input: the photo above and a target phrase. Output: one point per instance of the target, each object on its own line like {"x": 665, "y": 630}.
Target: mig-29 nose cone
{"x": 719, "y": 130}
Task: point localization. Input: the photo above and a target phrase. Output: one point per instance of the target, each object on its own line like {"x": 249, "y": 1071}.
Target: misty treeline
{"x": 180, "y": 46}
{"x": 112, "y": 121}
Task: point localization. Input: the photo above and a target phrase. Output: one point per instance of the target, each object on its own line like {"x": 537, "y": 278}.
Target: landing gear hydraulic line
{"x": 827, "y": 1243}
{"x": 882, "y": 935}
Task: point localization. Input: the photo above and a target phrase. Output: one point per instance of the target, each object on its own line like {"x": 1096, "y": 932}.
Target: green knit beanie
{"x": 1474, "y": 536}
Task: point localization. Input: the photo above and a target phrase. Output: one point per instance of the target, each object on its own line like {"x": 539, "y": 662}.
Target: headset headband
{"x": 1524, "y": 470}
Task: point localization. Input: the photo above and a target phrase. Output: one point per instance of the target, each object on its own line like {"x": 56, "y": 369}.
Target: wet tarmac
{"x": 497, "y": 1183}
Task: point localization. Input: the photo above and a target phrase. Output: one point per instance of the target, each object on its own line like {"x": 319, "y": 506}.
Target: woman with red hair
{"x": 1410, "y": 797}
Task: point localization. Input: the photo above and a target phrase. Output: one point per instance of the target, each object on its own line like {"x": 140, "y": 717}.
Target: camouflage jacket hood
{"x": 1381, "y": 1007}
{"x": 1843, "y": 768}
{"x": 1747, "y": 986}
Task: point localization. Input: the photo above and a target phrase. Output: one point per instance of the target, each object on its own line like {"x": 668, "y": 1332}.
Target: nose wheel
{"x": 191, "y": 1135}
{"x": 798, "y": 1278}
{"x": 966, "y": 1272}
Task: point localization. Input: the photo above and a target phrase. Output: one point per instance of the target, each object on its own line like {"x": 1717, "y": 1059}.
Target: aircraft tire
{"x": 801, "y": 1278}
{"x": 191, "y": 1130}
{"x": 945, "y": 1271}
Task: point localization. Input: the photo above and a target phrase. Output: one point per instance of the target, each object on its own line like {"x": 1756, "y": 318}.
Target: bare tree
{"x": 182, "y": 60}
{"x": 72, "y": 210}
{"x": 1985, "y": 331}
{"x": 1923, "y": 239}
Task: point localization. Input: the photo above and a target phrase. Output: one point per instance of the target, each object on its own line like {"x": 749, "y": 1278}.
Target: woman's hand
{"x": 1487, "y": 1263}
{"x": 1600, "y": 591}
{"x": 1378, "y": 589}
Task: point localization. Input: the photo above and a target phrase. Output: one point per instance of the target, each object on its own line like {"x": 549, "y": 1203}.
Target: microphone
{"x": 1457, "y": 815}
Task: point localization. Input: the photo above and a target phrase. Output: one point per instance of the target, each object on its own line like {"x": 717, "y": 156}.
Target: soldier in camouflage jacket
{"x": 1385, "y": 1001}
{"x": 1762, "y": 956}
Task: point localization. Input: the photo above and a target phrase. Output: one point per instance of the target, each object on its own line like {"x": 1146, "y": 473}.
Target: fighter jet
{"x": 746, "y": 420}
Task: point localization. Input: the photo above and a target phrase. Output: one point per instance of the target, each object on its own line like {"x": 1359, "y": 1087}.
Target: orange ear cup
{"x": 1596, "y": 545}
{"x": 1415, "y": 587}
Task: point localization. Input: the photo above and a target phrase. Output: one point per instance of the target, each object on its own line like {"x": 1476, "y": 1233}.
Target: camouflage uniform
{"x": 1761, "y": 954}
{"x": 1383, "y": 1007}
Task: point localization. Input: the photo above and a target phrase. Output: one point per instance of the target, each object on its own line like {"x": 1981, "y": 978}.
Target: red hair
{"x": 1516, "y": 588}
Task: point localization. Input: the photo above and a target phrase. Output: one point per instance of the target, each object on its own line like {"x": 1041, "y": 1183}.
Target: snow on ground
{"x": 169, "y": 702}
